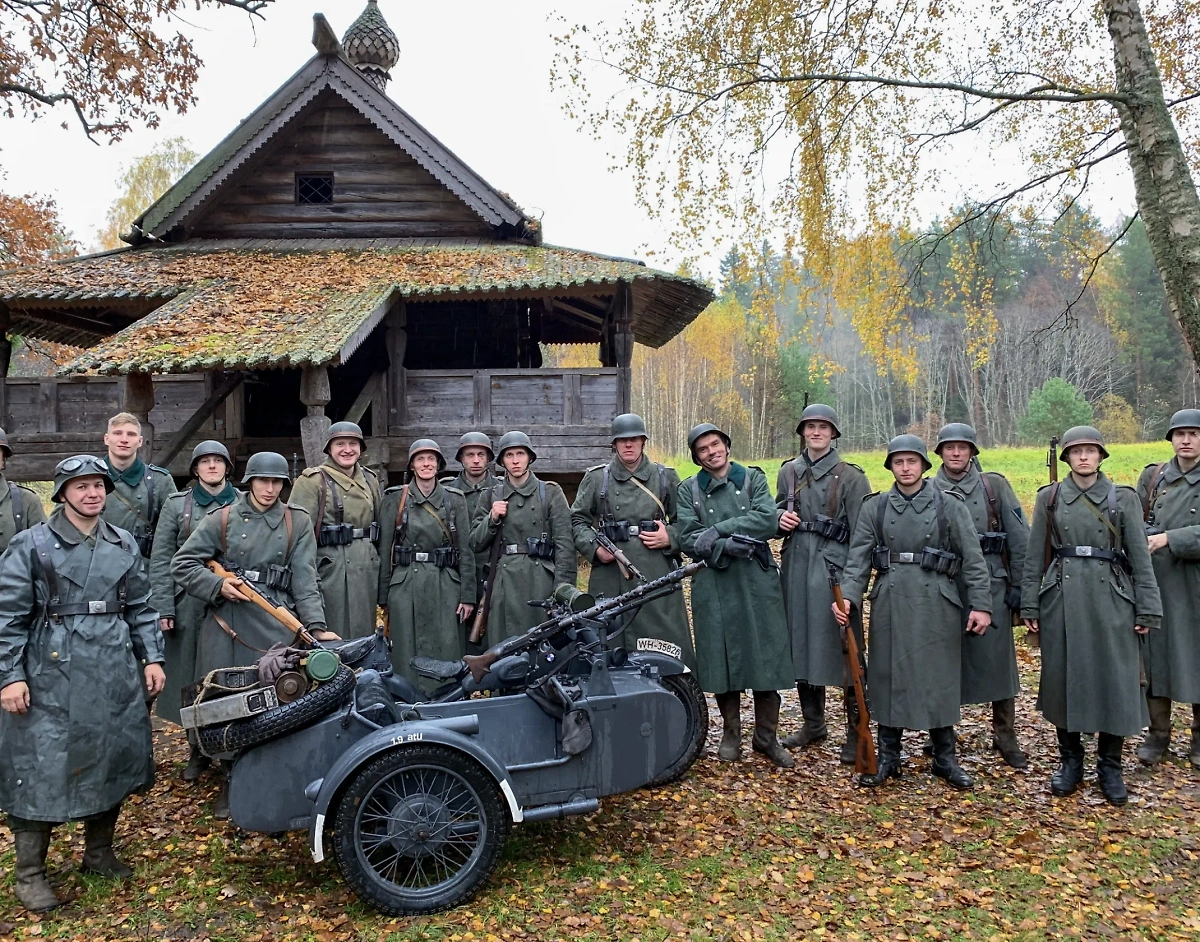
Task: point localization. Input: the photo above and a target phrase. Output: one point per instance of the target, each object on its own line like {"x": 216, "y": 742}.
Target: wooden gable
{"x": 378, "y": 190}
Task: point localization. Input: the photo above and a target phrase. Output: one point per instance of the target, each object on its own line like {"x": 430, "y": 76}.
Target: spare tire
{"x": 242, "y": 734}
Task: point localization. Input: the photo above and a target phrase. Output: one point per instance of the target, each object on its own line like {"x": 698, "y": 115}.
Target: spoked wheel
{"x": 687, "y": 689}
{"x": 420, "y": 829}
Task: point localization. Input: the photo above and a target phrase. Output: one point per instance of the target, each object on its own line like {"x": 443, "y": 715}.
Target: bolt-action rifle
{"x": 479, "y": 628}
{"x": 276, "y": 611}
{"x": 865, "y": 760}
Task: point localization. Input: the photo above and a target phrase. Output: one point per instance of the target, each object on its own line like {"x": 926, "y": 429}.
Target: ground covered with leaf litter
{"x": 735, "y": 852}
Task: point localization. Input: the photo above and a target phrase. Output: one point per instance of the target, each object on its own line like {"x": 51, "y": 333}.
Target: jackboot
{"x": 1070, "y": 773}
{"x": 32, "y": 887}
{"x": 850, "y": 746}
{"x": 221, "y": 808}
{"x": 730, "y": 705}
{"x": 1154, "y": 746}
{"x": 927, "y": 749}
{"x": 1108, "y": 769}
{"x": 812, "y": 706}
{"x": 945, "y": 763}
{"x": 1004, "y": 733}
{"x": 887, "y": 756}
{"x": 766, "y": 726}
{"x": 98, "y": 856}
{"x": 197, "y": 763}
{"x": 1194, "y": 752}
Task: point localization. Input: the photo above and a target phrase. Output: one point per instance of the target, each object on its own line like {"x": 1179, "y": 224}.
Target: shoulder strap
{"x": 831, "y": 507}
{"x": 1155, "y": 480}
{"x": 654, "y": 497}
{"x": 188, "y": 507}
{"x": 939, "y": 510}
{"x": 401, "y": 508}
{"x": 697, "y": 503}
{"x": 1114, "y": 518}
{"x": 338, "y": 511}
{"x": 995, "y": 521}
{"x": 1051, "y": 526}
{"x": 546, "y": 510}
{"x": 448, "y": 530}
{"x": 47, "y": 566}
{"x": 604, "y": 494}
{"x": 225, "y": 529}
{"x": 880, "y": 509}
{"x": 791, "y": 498}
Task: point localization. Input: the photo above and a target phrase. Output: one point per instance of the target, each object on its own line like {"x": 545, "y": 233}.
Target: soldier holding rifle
{"x": 474, "y": 481}
{"x": 1089, "y": 593}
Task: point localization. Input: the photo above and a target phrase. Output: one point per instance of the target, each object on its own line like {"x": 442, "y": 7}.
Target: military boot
{"x": 766, "y": 726}
{"x": 1108, "y": 769}
{"x": 888, "y": 757}
{"x": 98, "y": 856}
{"x": 730, "y": 705}
{"x": 1004, "y": 733}
{"x": 812, "y": 706}
{"x": 32, "y": 887}
{"x": 1194, "y": 752}
{"x": 1070, "y": 773}
{"x": 197, "y": 763}
{"x": 945, "y": 763}
{"x": 850, "y": 746}
{"x": 1154, "y": 746}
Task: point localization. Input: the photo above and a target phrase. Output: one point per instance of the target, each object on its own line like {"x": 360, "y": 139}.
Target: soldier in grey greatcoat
{"x": 819, "y": 496}
{"x": 1170, "y": 494}
{"x": 341, "y": 496}
{"x": 631, "y": 500}
{"x": 20, "y": 507}
{"x": 1089, "y": 592}
{"x": 427, "y": 576}
{"x": 79, "y": 651}
{"x": 726, "y": 515}
{"x": 179, "y": 614}
{"x": 989, "y": 660}
{"x": 916, "y": 537}
{"x": 139, "y": 490}
{"x": 475, "y": 454}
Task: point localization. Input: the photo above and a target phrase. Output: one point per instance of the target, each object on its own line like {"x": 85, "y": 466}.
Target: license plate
{"x": 658, "y": 646}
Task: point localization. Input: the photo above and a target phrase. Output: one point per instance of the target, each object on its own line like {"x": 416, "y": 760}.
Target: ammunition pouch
{"x": 940, "y": 561}
{"x": 993, "y": 543}
{"x": 828, "y": 527}
{"x": 402, "y": 555}
{"x": 1153, "y": 529}
{"x": 615, "y": 530}
{"x": 647, "y": 526}
{"x": 540, "y": 547}
{"x": 342, "y": 534}
{"x": 145, "y": 543}
{"x": 881, "y": 559}
{"x": 446, "y": 557}
{"x": 279, "y": 577}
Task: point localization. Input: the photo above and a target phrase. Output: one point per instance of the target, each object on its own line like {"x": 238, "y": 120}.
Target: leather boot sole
{"x": 874, "y": 781}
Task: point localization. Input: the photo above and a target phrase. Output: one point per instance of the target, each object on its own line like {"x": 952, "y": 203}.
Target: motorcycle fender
{"x": 393, "y": 737}
{"x": 667, "y": 665}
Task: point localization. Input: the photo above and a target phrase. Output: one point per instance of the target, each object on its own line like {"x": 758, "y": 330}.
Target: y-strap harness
{"x": 339, "y": 533}
{"x": 828, "y": 524}
{"x": 1111, "y": 519}
{"x": 56, "y": 609}
{"x": 276, "y": 577}
{"x": 538, "y": 548}
{"x": 622, "y": 531}
{"x": 933, "y": 558}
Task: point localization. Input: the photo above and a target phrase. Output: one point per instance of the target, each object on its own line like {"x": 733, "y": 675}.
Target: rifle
{"x": 1052, "y": 460}
{"x": 864, "y": 757}
{"x": 276, "y": 611}
{"x": 489, "y": 586}
{"x": 607, "y": 609}
{"x": 1031, "y": 637}
{"x": 628, "y": 569}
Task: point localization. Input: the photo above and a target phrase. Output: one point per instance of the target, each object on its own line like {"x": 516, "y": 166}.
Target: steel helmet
{"x": 705, "y": 428}
{"x": 1184, "y": 418}
{"x": 1081, "y": 435}
{"x": 629, "y": 425}
{"x": 426, "y": 444}
{"x": 515, "y": 440}
{"x": 343, "y": 430}
{"x": 204, "y": 449}
{"x": 267, "y": 464}
{"x": 475, "y": 440}
{"x": 957, "y": 432}
{"x": 913, "y": 443}
{"x": 79, "y": 466}
{"x": 819, "y": 412}
{"x": 4, "y": 446}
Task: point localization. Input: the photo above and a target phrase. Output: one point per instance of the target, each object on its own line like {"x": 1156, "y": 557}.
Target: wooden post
{"x": 138, "y": 397}
{"x": 482, "y": 380}
{"x": 622, "y": 345}
{"x": 5, "y": 360}
{"x": 397, "y": 344}
{"x": 314, "y": 393}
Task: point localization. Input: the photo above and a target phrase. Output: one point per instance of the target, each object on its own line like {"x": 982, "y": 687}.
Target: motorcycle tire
{"x": 419, "y": 829}
{"x": 687, "y": 689}
{"x": 242, "y": 734}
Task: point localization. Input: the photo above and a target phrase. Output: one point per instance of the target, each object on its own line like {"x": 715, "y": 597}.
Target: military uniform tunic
{"x": 85, "y": 743}
{"x": 664, "y": 619}
{"x": 1172, "y": 654}
{"x": 523, "y": 577}
{"x": 349, "y": 574}
{"x": 737, "y": 606}
{"x": 139, "y": 493}
{"x": 989, "y": 661}
{"x": 476, "y": 496}
{"x": 179, "y": 517}
{"x": 421, "y": 598}
{"x": 817, "y": 657}
{"x": 20, "y": 509}
{"x": 1087, "y": 609}
{"x": 914, "y": 641}
{"x": 254, "y": 540}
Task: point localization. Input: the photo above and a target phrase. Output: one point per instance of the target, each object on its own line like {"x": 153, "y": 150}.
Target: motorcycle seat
{"x": 352, "y": 652}
{"x": 434, "y": 669}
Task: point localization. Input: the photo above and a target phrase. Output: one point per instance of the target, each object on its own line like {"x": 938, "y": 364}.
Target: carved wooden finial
{"x": 324, "y": 38}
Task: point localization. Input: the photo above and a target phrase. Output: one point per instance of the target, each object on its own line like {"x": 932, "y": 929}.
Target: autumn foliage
{"x": 31, "y": 232}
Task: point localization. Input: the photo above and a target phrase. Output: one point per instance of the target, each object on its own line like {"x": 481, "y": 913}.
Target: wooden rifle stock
{"x": 628, "y": 569}
{"x": 278, "y": 612}
{"x": 479, "y": 628}
{"x": 865, "y": 760}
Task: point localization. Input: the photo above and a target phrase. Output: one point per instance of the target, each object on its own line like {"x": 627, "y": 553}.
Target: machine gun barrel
{"x": 480, "y": 664}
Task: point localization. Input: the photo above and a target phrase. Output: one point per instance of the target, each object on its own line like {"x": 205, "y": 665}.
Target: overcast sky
{"x": 474, "y": 72}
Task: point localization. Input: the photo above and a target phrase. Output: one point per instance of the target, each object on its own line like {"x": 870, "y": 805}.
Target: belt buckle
{"x": 907, "y": 557}
{"x": 634, "y": 530}
{"x": 1083, "y": 551}
{"x": 511, "y": 549}
{"x": 421, "y": 557}
{"x": 96, "y": 608}
{"x": 253, "y": 575}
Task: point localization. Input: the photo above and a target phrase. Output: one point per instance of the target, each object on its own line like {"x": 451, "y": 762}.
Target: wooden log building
{"x": 331, "y": 259}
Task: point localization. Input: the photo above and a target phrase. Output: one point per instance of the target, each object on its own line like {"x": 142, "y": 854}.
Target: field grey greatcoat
{"x": 737, "y": 606}
{"x": 535, "y": 508}
{"x": 475, "y": 494}
{"x": 665, "y": 619}
{"x": 1087, "y": 609}
{"x": 139, "y": 493}
{"x": 349, "y": 574}
{"x": 989, "y": 661}
{"x": 1172, "y": 654}
{"x": 254, "y": 541}
{"x": 421, "y": 598}
{"x": 85, "y": 743}
{"x": 916, "y": 631}
{"x": 832, "y": 488}
{"x": 20, "y": 509}
{"x": 180, "y": 515}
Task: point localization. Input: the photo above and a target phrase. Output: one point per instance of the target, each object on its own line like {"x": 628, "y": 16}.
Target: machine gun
{"x": 606, "y": 610}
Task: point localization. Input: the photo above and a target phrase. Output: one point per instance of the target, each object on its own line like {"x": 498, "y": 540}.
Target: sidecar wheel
{"x": 687, "y": 689}
{"x": 419, "y": 829}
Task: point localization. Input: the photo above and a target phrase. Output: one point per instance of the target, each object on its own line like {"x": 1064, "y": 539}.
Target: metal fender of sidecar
{"x": 453, "y": 731}
{"x": 667, "y": 666}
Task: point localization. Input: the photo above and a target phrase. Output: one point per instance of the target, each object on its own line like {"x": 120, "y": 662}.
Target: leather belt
{"x": 513, "y": 549}
{"x": 422, "y": 557}
{"x": 1092, "y": 552}
{"x": 361, "y": 533}
{"x": 913, "y": 558}
{"x": 57, "y": 610}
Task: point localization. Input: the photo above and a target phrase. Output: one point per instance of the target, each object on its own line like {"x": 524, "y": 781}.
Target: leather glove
{"x": 1012, "y": 598}
{"x": 706, "y": 542}
{"x": 739, "y": 550}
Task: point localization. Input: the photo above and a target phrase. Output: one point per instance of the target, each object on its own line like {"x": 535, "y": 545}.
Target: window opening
{"x": 314, "y": 188}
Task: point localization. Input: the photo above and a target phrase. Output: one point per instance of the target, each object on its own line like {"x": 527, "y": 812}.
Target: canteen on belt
{"x": 321, "y": 665}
